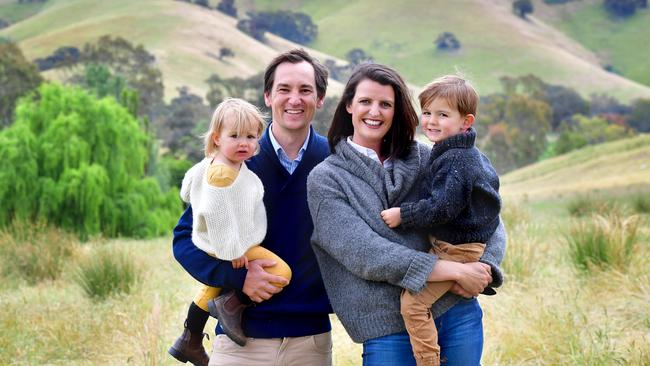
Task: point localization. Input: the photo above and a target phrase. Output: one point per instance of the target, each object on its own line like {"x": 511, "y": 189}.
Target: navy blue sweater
{"x": 460, "y": 200}
{"x": 302, "y": 307}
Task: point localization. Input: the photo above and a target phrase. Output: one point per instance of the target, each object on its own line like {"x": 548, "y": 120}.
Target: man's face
{"x": 293, "y": 98}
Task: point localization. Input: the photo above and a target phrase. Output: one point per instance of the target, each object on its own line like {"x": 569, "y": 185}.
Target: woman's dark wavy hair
{"x": 398, "y": 139}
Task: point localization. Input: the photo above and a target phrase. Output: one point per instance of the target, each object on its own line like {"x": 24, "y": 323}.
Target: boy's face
{"x": 440, "y": 121}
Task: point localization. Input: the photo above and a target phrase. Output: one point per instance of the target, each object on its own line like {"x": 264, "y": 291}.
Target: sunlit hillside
{"x": 494, "y": 42}
{"x": 621, "y": 43}
{"x": 618, "y": 165}
{"x": 186, "y": 39}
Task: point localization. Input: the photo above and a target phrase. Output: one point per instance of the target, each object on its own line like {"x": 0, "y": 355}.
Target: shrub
{"x": 641, "y": 203}
{"x": 603, "y": 242}
{"x": 35, "y": 251}
{"x": 107, "y": 272}
{"x": 585, "y": 205}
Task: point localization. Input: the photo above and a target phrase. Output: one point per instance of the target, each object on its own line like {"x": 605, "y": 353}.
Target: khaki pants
{"x": 313, "y": 350}
{"x": 281, "y": 268}
{"x": 416, "y": 307}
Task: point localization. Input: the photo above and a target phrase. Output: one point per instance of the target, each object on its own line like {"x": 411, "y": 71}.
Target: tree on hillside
{"x": 133, "y": 63}
{"x": 250, "y": 89}
{"x": 581, "y": 131}
{"x": 640, "y": 117}
{"x": 17, "y": 78}
{"x": 4, "y": 23}
{"x": 178, "y": 127}
{"x": 622, "y": 8}
{"x": 522, "y": 8}
{"x": 565, "y": 103}
{"x": 227, "y": 7}
{"x": 79, "y": 162}
{"x": 294, "y": 26}
{"x": 203, "y": 3}
{"x": 61, "y": 57}
{"x": 225, "y": 52}
{"x": 447, "y": 41}
{"x": 357, "y": 56}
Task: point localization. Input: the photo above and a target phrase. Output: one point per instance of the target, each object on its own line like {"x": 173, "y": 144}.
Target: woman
{"x": 375, "y": 164}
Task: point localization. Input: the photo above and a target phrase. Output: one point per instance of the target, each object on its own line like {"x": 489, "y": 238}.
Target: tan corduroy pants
{"x": 416, "y": 307}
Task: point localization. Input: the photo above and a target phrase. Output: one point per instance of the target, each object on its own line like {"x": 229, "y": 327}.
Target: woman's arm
{"x": 345, "y": 236}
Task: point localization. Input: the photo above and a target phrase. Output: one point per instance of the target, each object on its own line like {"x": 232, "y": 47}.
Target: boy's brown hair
{"x": 458, "y": 92}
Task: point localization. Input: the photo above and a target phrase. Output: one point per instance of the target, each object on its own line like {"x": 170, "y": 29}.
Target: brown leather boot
{"x": 228, "y": 309}
{"x": 189, "y": 348}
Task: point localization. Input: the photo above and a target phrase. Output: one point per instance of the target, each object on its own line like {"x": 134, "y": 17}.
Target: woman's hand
{"x": 473, "y": 278}
{"x": 392, "y": 217}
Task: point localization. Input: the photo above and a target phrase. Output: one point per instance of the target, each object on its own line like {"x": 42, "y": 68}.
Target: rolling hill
{"x": 618, "y": 165}
{"x": 494, "y": 42}
{"x": 186, "y": 38}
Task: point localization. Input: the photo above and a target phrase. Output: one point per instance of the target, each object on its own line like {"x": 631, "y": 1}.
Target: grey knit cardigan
{"x": 365, "y": 264}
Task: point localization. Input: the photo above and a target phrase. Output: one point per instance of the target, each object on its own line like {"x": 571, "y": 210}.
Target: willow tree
{"x": 79, "y": 162}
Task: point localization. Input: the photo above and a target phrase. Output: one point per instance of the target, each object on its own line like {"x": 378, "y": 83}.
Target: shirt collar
{"x": 278, "y": 148}
{"x": 388, "y": 163}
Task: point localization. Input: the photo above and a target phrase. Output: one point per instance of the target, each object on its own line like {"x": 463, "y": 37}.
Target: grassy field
{"x": 617, "y": 42}
{"x": 185, "y": 39}
{"x": 549, "y": 312}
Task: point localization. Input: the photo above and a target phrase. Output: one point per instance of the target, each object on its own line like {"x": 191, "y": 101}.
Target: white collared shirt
{"x": 387, "y": 164}
{"x": 285, "y": 161}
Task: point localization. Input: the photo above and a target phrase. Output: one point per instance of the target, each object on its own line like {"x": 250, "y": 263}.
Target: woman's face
{"x": 372, "y": 109}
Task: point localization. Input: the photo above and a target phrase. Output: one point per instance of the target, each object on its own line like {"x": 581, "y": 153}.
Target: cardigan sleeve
{"x": 349, "y": 240}
{"x": 204, "y": 268}
{"x": 495, "y": 250}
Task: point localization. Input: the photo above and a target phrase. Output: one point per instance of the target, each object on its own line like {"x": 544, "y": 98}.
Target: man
{"x": 290, "y": 325}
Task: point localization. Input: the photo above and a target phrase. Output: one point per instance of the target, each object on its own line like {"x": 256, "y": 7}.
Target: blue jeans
{"x": 460, "y": 335}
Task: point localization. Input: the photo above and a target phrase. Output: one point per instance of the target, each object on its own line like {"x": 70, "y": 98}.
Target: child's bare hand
{"x": 392, "y": 217}
{"x": 240, "y": 262}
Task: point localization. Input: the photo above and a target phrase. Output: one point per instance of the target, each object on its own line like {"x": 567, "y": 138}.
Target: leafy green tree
{"x": 447, "y": 41}
{"x": 251, "y": 89}
{"x": 79, "y": 162}
{"x": 581, "y": 131}
{"x": 17, "y": 77}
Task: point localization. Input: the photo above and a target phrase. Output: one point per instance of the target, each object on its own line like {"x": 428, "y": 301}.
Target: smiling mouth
{"x": 293, "y": 111}
{"x": 372, "y": 122}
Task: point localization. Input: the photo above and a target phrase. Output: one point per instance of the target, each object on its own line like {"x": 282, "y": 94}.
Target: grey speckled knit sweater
{"x": 364, "y": 263}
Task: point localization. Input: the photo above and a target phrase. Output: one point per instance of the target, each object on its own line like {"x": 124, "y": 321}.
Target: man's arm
{"x": 203, "y": 267}
{"x": 254, "y": 282}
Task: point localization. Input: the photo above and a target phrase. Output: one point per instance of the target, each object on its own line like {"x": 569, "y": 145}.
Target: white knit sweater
{"x": 227, "y": 220}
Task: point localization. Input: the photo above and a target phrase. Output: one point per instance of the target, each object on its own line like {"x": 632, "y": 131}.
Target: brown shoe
{"x": 228, "y": 309}
{"x": 189, "y": 348}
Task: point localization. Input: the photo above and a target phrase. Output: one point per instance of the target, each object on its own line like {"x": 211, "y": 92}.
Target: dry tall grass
{"x": 547, "y": 313}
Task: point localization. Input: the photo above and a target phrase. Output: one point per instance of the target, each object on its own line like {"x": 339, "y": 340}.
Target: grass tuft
{"x": 604, "y": 241}
{"x": 35, "y": 251}
{"x": 108, "y": 271}
{"x": 641, "y": 203}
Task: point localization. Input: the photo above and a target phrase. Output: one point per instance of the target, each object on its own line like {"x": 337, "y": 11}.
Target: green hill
{"x": 621, "y": 43}
{"x": 494, "y": 42}
{"x": 186, "y": 38}
{"x": 618, "y": 165}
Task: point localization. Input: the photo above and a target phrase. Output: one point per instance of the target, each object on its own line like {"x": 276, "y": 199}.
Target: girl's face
{"x": 372, "y": 109}
{"x": 234, "y": 147}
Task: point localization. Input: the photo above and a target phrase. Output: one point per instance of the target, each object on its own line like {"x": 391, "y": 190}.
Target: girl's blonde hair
{"x": 242, "y": 114}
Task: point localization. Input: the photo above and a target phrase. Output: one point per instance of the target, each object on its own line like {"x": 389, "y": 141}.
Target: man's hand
{"x": 460, "y": 291}
{"x": 257, "y": 284}
{"x": 392, "y": 217}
